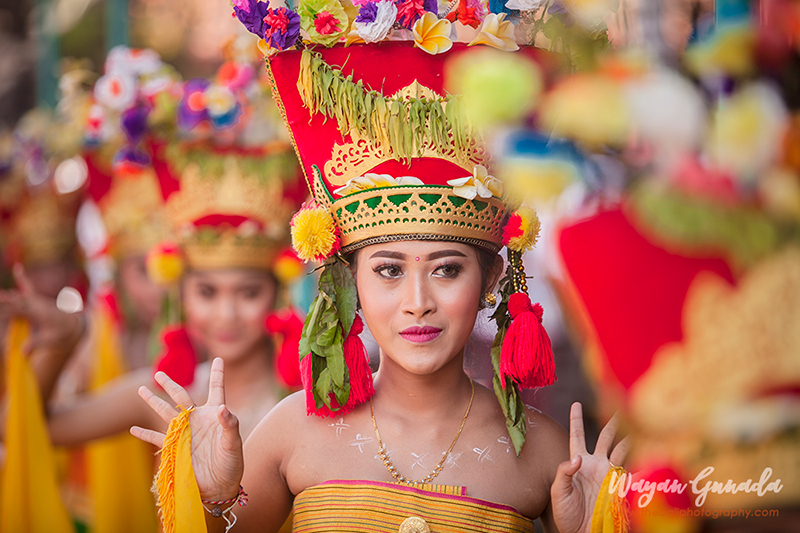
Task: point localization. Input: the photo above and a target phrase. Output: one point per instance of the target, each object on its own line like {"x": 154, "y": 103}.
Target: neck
{"x": 413, "y": 396}
{"x": 249, "y": 376}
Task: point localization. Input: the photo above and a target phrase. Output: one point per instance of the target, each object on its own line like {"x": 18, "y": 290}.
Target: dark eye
{"x": 448, "y": 270}
{"x": 389, "y": 271}
{"x": 207, "y": 291}
{"x": 251, "y": 292}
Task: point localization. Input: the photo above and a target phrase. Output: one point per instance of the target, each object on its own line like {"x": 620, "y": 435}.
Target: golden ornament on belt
{"x": 414, "y": 524}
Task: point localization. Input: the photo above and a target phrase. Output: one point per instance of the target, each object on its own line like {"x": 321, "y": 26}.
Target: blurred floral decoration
{"x": 700, "y": 155}
{"x": 137, "y": 94}
{"x": 42, "y": 175}
{"x": 571, "y": 26}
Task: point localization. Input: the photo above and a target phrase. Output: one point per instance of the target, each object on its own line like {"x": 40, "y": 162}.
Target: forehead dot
{"x": 417, "y": 258}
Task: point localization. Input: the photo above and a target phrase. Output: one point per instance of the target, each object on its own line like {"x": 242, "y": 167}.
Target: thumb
{"x": 562, "y": 484}
{"x": 228, "y": 421}
{"x": 22, "y": 281}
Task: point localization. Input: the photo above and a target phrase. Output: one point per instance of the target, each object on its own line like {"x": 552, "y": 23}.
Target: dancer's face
{"x": 225, "y": 309}
{"x": 144, "y": 295}
{"x": 420, "y": 300}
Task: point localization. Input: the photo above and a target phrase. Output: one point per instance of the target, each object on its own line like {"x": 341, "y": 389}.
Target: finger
{"x": 562, "y": 484}
{"x": 22, "y": 281}
{"x": 161, "y": 407}
{"x": 216, "y": 383}
{"x": 175, "y": 391}
{"x": 577, "y": 437}
{"x": 620, "y": 452}
{"x": 606, "y": 438}
{"x": 11, "y": 302}
{"x": 148, "y": 435}
{"x": 227, "y": 419}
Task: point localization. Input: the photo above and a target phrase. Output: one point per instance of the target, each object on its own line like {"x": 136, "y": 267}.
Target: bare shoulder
{"x": 546, "y": 443}
{"x": 280, "y": 425}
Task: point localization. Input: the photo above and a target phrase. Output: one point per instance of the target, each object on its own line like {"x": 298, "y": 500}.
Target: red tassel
{"x": 527, "y": 356}
{"x": 178, "y": 360}
{"x": 288, "y": 325}
{"x": 361, "y": 387}
{"x": 357, "y": 361}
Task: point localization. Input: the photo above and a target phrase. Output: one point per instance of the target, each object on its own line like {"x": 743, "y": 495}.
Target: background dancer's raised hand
{"x": 216, "y": 443}
{"x": 577, "y": 483}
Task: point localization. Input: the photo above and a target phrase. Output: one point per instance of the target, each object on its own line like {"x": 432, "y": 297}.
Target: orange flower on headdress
{"x": 165, "y": 264}
{"x": 314, "y": 233}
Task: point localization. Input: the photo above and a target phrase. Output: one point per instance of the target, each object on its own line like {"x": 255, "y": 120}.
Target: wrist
{"x": 223, "y": 496}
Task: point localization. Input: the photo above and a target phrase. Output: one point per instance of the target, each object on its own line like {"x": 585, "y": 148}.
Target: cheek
{"x": 199, "y": 312}
{"x": 253, "y": 313}
{"x": 376, "y": 302}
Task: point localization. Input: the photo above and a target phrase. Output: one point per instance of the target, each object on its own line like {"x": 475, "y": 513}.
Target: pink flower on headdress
{"x": 277, "y": 20}
{"x": 326, "y": 24}
{"x": 244, "y": 5}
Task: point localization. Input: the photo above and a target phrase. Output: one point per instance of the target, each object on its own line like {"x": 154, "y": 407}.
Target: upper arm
{"x": 110, "y": 410}
{"x": 547, "y": 446}
{"x": 265, "y": 454}
{"x": 551, "y": 443}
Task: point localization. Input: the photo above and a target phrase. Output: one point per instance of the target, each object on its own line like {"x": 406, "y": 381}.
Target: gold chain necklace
{"x": 438, "y": 468}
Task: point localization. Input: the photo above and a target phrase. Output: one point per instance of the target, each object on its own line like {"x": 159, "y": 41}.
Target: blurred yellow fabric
{"x": 120, "y": 467}
{"x": 29, "y": 499}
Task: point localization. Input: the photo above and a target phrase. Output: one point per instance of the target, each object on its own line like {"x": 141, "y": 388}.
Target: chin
{"x": 229, "y": 351}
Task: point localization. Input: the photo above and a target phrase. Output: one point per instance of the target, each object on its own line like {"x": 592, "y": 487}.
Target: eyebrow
{"x": 430, "y": 257}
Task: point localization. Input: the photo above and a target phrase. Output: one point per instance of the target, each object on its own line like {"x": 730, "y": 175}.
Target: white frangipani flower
{"x": 371, "y": 181}
{"x": 481, "y": 183}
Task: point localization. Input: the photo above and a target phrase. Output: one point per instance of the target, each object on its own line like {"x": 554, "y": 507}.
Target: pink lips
{"x": 420, "y": 334}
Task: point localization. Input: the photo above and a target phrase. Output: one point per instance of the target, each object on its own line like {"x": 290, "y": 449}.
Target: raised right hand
{"x": 217, "y": 457}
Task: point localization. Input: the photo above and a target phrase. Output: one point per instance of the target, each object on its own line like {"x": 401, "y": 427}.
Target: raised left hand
{"x": 577, "y": 483}
{"x": 52, "y": 329}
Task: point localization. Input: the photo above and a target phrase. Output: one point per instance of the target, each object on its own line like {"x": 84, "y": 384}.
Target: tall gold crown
{"x": 352, "y": 113}
{"x": 133, "y": 213}
{"x": 42, "y": 227}
{"x": 234, "y": 211}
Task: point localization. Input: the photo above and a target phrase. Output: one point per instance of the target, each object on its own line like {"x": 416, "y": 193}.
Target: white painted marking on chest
{"x": 418, "y": 459}
{"x": 360, "y": 441}
{"x": 531, "y": 423}
{"x": 483, "y": 454}
{"x": 451, "y": 460}
{"x": 507, "y": 442}
{"x": 339, "y": 426}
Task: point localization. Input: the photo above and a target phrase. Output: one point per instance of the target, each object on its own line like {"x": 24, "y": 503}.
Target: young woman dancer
{"x": 414, "y": 243}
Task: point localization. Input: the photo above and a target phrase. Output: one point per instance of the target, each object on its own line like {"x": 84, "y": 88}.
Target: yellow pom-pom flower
{"x": 165, "y": 264}
{"x": 287, "y": 267}
{"x": 522, "y": 230}
{"x": 314, "y": 233}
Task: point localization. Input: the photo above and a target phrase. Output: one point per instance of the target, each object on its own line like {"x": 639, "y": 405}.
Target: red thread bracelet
{"x": 241, "y": 498}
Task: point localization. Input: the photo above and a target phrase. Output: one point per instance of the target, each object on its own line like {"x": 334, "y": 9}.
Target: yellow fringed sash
{"x": 178, "y": 497}
{"x": 611, "y": 510}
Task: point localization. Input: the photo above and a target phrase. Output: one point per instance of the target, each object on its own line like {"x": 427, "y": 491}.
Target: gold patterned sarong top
{"x": 356, "y": 505}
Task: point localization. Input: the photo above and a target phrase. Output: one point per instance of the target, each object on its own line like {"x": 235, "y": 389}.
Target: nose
{"x": 418, "y": 300}
{"x": 226, "y": 309}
